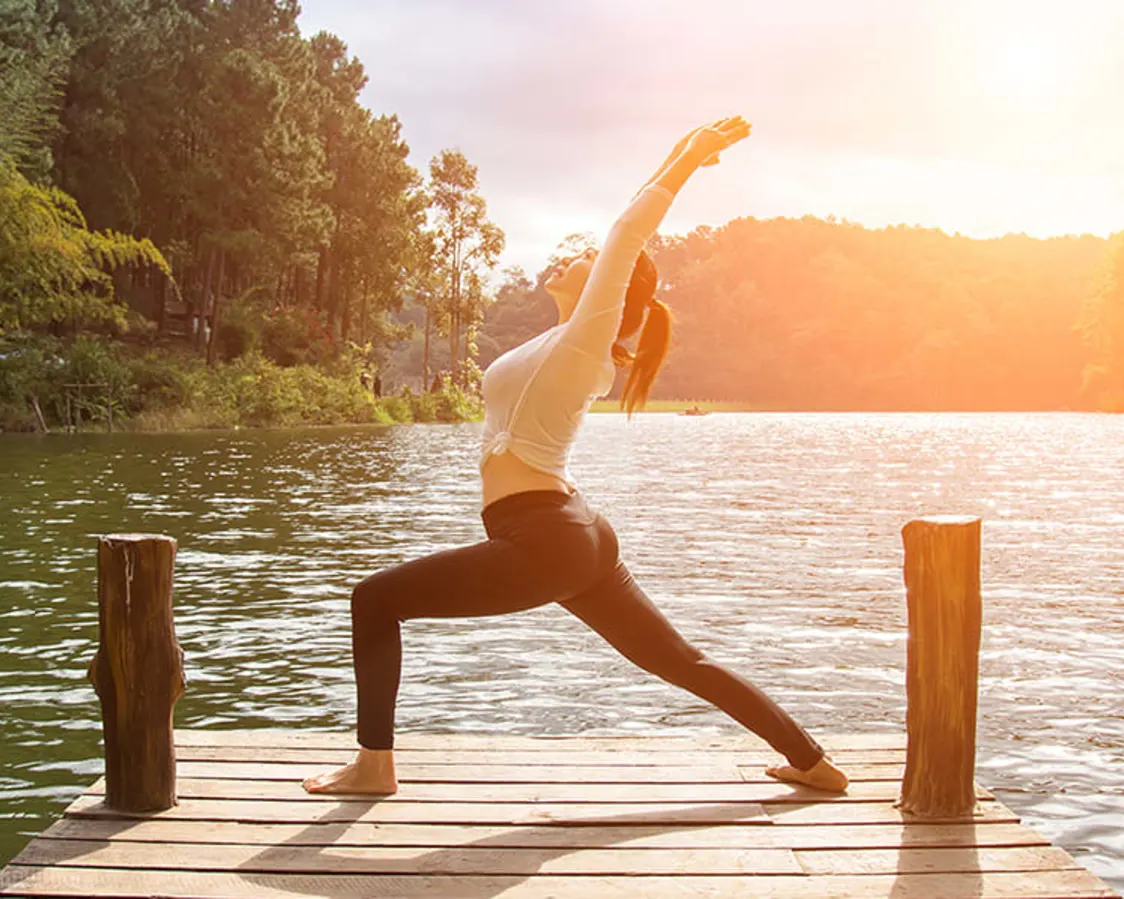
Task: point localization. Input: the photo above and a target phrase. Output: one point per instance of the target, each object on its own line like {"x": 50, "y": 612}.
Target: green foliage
{"x": 297, "y": 336}
{"x": 30, "y": 369}
{"x": 36, "y": 368}
{"x": 93, "y": 360}
{"x": 448, "y": 404}
{"x": 33, "y": 61}
{"x": 467, "y": 245}
{"x": 241, "y": 148}
{"x": 52, "y": 269}
{"x": 289, "y": 212}
{"x": 1102, "y": 327}
{"x": 163, "y": 390}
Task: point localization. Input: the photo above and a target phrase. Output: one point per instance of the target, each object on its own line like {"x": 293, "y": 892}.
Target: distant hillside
{"x": 813, "y": 314}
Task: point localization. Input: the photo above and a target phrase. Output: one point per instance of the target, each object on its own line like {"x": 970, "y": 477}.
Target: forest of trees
{"x": 196, "y": 176}
{"x": 198, "y": 215}
{"x": 813, "y": 314}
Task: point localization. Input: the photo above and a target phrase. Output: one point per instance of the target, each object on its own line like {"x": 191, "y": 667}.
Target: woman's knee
{"x": 680, "y": 665}
{"x": 375, "y": 596}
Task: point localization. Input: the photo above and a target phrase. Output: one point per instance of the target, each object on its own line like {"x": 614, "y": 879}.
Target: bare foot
{"x": 371, "y": 772}
{"x": 824, "y": 775}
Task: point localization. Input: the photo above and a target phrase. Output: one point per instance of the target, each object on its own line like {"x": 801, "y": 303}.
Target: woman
{"x": 545, "y": 543}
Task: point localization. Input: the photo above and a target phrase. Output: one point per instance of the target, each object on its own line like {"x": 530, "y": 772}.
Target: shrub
{"x": 168, "y": 390}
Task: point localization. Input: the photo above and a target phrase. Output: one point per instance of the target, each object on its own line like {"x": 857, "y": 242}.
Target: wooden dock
{"x": 488, "y": 816}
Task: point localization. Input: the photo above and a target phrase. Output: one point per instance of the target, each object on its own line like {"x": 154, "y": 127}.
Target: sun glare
{"x": 1024, "y": 69}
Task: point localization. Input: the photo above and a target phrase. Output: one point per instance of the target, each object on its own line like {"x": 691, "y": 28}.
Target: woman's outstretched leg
{"x": 493, "y": 577}
{"x": 618, "y": 609}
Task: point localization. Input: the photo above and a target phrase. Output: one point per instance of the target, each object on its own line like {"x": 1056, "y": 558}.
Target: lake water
{"x": 771, "y": 540}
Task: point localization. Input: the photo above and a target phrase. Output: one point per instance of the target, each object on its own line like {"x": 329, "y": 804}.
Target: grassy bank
{"x": 161, "y": 389}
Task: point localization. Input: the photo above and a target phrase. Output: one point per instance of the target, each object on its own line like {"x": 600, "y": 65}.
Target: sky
{"x": 976, "y": 116}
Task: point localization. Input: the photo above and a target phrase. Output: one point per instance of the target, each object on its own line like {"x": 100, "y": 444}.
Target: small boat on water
{"x": 694, "y": 410}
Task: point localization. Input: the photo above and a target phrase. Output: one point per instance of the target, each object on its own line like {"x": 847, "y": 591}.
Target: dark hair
{"x": 655, "y": 337}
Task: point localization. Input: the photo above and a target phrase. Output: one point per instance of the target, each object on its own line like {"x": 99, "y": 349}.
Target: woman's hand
{"x": 707, "y": 141}
{"x": 683, "y": 141}
{"x": 699, "y": 146}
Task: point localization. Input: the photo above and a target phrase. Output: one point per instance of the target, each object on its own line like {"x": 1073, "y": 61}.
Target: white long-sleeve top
{"x": 537, "y": 394}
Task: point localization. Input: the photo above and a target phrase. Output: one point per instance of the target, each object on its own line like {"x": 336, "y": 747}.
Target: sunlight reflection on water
{"x": 772, "y": 541}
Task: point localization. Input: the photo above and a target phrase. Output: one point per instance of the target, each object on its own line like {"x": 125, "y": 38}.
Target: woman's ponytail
{"x": 651, "y": 350}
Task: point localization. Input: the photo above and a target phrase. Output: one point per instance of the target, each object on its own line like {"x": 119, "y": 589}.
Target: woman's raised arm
{"x": 596, "y": 316}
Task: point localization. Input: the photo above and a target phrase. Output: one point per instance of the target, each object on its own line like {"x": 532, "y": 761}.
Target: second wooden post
{"x": 942, "y": 580}
{"x": 138, "y": 670}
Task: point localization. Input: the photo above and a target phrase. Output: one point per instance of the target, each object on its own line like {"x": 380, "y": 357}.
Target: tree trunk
{"x": 200, "y": 334}
{"x": 345, "y": 317}
{"x": 40, "y": 420}
{"x": 464, "y": 359}
{"x": 363, "y": 317}
{"x": 161, "y": 301}
{"x": 455, "y": 311}
{"x": 215, "y": 308}
{"x": 454, "y": 341}
{"x": 138, "y": 670}
{"x": 425, "y": 352}
{"x": 323, "y": 265}
{"x": 942, "y": 580}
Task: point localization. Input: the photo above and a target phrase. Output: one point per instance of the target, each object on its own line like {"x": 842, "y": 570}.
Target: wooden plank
{"x": 19, "y": 880}
{"x": 742, "y": 740}
{"x": 410, "y": 773}
{"x": 445, "y": 812}
{"x": 869, "y": 836}
{"x": 925, "y": 861}
{"x": 844, "y": 814}
{"x": 559, "y": 860}
{"x": 440, "y": 791}
{"x": 858, "y": 773}
{"x": 406, "y": 859}
{"x": 841, "y": 814}
{"x": 552, "y": 755}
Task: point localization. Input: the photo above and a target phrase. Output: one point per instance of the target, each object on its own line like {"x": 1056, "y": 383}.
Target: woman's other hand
{"x": 707, "y": 141}
{"x": 698, "y": 147}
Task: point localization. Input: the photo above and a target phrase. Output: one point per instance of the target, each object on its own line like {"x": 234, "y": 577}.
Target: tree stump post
{"x": 138, "y": 670}
{"x": 942, "y": 580}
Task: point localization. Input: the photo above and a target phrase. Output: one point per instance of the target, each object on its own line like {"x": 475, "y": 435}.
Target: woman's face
{"x": 568, "y": 277}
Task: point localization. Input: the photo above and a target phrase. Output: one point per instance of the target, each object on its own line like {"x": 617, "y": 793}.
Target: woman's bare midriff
{"x": 505, "y": 474}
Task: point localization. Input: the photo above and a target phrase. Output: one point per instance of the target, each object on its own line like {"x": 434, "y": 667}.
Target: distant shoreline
{"x": 605, "y": 406}
{"x": 600, "y": 407}
{"x": 613, "y": 406}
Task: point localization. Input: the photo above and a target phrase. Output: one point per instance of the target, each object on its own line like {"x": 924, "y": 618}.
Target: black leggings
{"x": 544, "y": 546}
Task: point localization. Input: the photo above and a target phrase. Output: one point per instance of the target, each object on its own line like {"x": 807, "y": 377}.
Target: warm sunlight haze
{"x": 975, "y": 117}
{"x": 674, "y": 416}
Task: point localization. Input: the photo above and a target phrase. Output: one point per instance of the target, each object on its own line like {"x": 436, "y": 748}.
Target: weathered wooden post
{"x": 942, "y": 581}
{"x": 138, "y": 670}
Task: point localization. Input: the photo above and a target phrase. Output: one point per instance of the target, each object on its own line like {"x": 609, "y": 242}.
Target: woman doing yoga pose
{"x": 545, "y": 544}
